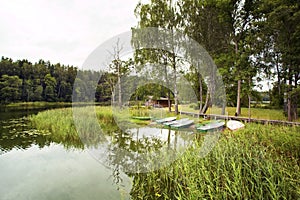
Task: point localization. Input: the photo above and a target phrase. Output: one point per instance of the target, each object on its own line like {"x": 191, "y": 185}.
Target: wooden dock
{"x": 243, "y": 119}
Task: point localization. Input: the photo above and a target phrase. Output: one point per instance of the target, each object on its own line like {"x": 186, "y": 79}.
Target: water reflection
{"x": 144, "y": 149}
{"x": 37, "y": 165}
{"x": 18, "y": 134}
{"x": 54, "y": 173}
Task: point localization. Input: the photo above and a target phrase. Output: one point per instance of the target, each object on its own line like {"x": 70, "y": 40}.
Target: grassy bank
{"x": 37, "y": 104}
{"x": 44, "y": 104}
{"x": 259, "y": 162}
{"x": 257, "y": 113}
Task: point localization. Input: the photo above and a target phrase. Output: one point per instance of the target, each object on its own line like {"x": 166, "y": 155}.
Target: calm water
{"x": 33, "y": 166}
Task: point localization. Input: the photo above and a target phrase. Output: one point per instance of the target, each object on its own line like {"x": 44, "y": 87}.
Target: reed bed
{"x": 60, "y": 124}
{"x": 259, "y": 162}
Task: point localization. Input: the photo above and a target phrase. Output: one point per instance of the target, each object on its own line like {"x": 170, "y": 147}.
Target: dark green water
{"x": 34, "y": 166}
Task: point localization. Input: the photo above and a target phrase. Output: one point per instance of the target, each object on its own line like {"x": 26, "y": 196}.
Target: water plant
{"x": 259, "y": 162}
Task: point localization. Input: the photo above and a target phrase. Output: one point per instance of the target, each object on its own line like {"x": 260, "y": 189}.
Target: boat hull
{"x": 213, "y": 126}
{"x": 184, "y": 124}
{"x": 141, "y": 118}
{"x": 169, "y": 119}
{"x": 234, "y": 125}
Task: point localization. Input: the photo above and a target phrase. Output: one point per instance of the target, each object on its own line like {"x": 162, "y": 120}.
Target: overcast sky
{"x": 64, "y": 31}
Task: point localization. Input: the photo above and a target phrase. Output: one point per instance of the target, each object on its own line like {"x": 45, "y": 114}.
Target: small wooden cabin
{"x": 160, "y": 102}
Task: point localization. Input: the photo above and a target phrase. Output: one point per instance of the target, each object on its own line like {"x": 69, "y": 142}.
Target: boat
{"x": 211, "y": 126}
{"x": 234, "y": 125}
{"x": 164, "y": 120}
{"x": 141, "y": 118}
{"x": 182, "y": 124}
{"x": 175, "y": 122}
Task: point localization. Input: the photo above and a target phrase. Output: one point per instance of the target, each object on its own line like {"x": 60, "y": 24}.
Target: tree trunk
{"x": 249, "y": 107}
{"x": 223, "y": 108}
{"x": 113, "y": 98}
{"x": 200, "y": 94}
{"x": 169, "y": 101}
{"x": 278, "y": 78}
{"x": 168, "y": 84}
{"x": 119, "y": 86}
{"x": 289, "y": 110}
{"x": 238, "y": 101}
{"x": 292, "y": 106}
{"x": 175, "y": 84}
{"x": 206, "y": 105}
{"x": 249, "y": 98}
{"x": 175, "y": 95}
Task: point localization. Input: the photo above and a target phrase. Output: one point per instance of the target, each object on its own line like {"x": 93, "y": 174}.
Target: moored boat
{"x": 164, "y": 120}
{"x": 182, "y": 124}
{"x": 211, "y": 126}
{"x": 234, "y": 125}
{"x": 141, "y": 118}
{"x": 175, "y": 122}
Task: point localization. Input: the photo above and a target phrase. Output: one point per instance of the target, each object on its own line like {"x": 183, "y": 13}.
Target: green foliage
{"x": 245, "y": 38}
{"x": 43, "y": 81}
{"x": 160, "y": 14}
{"x": 10, "y": 88}
{"x": 50, "y": 83}
{"x": 40, "y": 81}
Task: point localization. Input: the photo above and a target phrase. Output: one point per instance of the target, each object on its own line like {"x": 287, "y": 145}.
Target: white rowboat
{"x": 168, "y": 119}
{"x": 176, "y": 122}
{"x": 234, "y": 125}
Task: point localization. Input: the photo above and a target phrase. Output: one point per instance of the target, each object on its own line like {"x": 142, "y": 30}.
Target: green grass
{"x": 37, "y": 104}
{"x": 259, "y": 162}
{"x": 57, "y": 122}
{"x": 44, "y": 104}
{"x": 257, "y": 113}
{"x": 60, "y": 123}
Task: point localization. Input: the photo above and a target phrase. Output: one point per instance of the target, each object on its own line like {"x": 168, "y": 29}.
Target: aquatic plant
{"x": 258, "y": 162}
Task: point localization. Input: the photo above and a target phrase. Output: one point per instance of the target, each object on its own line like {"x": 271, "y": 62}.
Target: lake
{"x": 34, "y": 166}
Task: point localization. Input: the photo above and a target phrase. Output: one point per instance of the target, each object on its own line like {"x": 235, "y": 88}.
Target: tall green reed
{"x": 243, "y": 165}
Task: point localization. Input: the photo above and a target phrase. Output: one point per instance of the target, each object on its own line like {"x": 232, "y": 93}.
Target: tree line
{"x": 24, "y": 81}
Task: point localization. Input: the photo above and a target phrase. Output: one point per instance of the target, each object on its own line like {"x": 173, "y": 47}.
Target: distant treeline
{"x": 24, "y": 81}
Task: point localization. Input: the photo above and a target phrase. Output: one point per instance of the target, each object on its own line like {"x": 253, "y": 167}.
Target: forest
{"x": 249, "y": 41}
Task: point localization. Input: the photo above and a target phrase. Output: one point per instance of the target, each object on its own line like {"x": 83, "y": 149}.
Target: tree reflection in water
{"x": 130, "y": 152}
{"x": 141, "y": 150}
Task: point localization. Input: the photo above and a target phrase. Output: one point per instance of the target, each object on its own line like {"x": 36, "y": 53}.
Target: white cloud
{"x": 63, "y": 31}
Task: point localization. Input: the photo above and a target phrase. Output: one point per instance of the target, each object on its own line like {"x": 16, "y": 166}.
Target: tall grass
{"x": 141, "y": 111}
{"x": 60, "y": 124}
{"x": 243, "y": 165}
{"x": 258, "y": 113}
